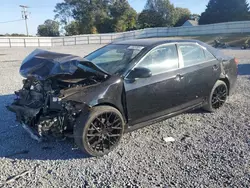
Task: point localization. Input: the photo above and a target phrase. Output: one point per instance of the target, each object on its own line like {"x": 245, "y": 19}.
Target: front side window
{"x": 209, "y": 56}
{"x": 113, "y": 58}
{"x": 192, "y": 54}
{"x": 161, "y": 59}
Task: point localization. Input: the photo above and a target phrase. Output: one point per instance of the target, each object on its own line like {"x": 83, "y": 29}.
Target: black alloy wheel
{"x": 217, "y": 97}
{"x": 104, "y": 132}
{"x": 100, "y": 131}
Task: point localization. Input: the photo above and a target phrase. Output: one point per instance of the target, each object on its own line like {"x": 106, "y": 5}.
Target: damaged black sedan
{"x": 118, "y": 88}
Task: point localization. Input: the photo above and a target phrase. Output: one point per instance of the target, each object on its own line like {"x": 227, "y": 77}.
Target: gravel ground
{"x": 210, "y": 150}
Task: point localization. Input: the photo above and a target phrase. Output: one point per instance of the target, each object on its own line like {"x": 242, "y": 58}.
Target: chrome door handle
{"x": 179, "y": 77}
{"x": 215, "y": 67}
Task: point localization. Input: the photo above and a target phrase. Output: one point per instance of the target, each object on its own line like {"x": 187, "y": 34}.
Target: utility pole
{"x": 25, "y": 16}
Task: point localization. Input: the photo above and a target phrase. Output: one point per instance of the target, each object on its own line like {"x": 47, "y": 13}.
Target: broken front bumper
{"x": 32, "y": 133}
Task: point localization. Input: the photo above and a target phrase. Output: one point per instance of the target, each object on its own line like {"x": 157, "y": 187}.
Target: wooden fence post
{"x": 24, "y": 42}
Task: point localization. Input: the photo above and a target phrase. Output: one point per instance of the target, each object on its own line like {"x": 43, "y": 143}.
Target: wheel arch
{"x": 226, "y": 80}
{"x": 114, "y": 106}
{"x": 83, "y": 126}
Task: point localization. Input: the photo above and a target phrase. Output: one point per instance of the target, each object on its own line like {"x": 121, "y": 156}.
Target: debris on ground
{"x": 15, "y": 177}
{"x": 169, "y": 139}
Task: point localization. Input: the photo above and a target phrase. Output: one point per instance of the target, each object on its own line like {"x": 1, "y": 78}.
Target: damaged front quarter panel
{"x": 59, "y": 87}
{"x": 109, "y": 92}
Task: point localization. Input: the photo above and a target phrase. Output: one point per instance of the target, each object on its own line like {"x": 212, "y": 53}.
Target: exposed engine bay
{"x": 42, "y": 105}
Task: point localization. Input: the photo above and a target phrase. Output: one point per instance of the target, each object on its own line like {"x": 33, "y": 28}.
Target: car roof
{"x": 152, "y": 41}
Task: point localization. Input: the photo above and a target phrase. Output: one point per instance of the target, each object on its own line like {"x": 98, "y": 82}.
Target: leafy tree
{"x": 73, "y": 28}
{"x": 225, "y": 11}
{"x": 16, "y": 35}
{"x": 150, "y": 18}
{"x": 195, "y": 16}
{"x": 104, "y": 24}
{"x": 164, "y": 9}
{"x": 160, "y": 13}
{"x": 84, "y": 12}
{"x": 123, "y": 16}
{"x": 63, "y": 12}
{"x": 96, "y": 16}
{"x": 181, "y": 16}
{"x": 50, "y": 28}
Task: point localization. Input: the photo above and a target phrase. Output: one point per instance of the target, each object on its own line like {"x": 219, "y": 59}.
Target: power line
{"x": 12, "y": 21}
{"x": 41, "y": 7}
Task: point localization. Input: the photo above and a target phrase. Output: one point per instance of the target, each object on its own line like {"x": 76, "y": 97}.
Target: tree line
{"x": 13, "y": 35}
{"x": 76, "y": 17}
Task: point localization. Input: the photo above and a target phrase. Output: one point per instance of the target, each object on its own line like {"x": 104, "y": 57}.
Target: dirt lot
{"x": 210, "y": 150}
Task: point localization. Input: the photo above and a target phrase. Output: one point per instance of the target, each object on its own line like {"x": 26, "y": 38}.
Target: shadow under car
{"x": 15, "y": 142}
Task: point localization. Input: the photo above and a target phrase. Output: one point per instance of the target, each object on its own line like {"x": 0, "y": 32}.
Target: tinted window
{"x": 114, "y": 58}
{"x": 208, "y": 55}
{"x": 161, "y": 59}
{"x": 110, "y": 56}
{"x": 192, "y": 54}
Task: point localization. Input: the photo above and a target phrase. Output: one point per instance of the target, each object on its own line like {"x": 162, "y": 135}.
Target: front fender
{"x": 107, "y": 92}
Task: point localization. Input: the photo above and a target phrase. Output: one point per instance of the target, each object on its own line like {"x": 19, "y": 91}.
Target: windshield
{"x": 113, "y": 58}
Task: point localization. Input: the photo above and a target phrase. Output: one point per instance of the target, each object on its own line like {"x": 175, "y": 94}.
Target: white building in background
{"x": 191, "y": 23}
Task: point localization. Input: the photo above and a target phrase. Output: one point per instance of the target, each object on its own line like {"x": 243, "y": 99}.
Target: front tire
{"x": 99, "y": 131}
{"x": 217, "y": 97}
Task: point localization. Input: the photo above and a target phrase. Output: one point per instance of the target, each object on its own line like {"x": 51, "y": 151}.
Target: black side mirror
{"x": 139, "y": 72}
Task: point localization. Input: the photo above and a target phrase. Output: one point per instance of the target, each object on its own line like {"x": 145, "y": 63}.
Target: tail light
{"x": 236, "y": 61}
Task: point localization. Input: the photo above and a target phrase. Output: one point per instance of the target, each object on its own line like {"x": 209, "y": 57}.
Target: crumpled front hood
{"x": 44, "y": 64}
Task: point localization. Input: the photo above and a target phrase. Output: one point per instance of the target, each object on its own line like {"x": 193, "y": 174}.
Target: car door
{"x": 199, "y": 69}
{"x": 148, "y": 98}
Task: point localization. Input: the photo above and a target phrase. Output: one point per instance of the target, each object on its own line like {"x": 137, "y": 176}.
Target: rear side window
{"x": 192, "y": 54}
{"x": 208, "y": 55}
{"x": 161, "y": 59}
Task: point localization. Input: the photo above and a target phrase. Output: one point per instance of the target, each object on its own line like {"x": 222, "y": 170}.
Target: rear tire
{"x": 99, "y": 131}
{"x": 217, "y": 97}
